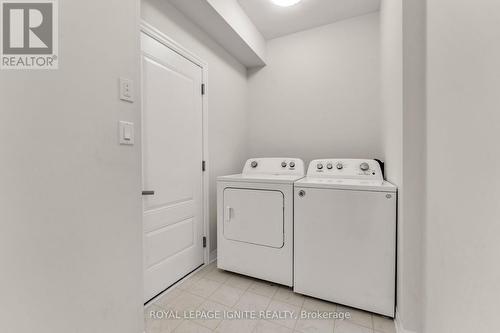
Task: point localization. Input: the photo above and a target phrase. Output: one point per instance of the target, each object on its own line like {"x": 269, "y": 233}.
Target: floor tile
{"x": 315, "y": 304}
{"x": 186, "y": 302}
{"x": 212, "y": 307}
{"x": 285, "y": 294}
{"x": 218, "y": 275}
{"x": 280, "y": 308}
{"x": 188, "y": 282}
{"x": 191, "y": 327}
{"x": 239, "y": 281}
{"x": 236, "y": 326}
{"x": 211, "y": 289}
{"x": 205, "y": 270}
{"x": 150, "y": 310}
{"x": 163, "y": 325}
{"x": 345, "y": 326}
{"x": 263, "y": 288}
{"x": 211, "y": 266}
{"x": 357, "y": 316}
{"x": 264, "y": 326}
{"x": 204, "y": 287}
{"x": 168, "y": 297}
{"x": 227, "y": 295}
{"x": 383, "y": 324}
{"x": 315, "y": 325}
{"x": 252, "y": 302}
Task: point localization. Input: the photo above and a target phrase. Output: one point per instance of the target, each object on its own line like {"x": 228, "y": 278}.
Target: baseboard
{"x": 399, "y": 325}
{"x": 213, "y": 256}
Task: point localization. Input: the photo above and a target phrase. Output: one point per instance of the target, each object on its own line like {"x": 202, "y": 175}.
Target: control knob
{"x": 329, "y": 166}
{"x": 319, "y": 166}
{"x": 292, "y": 164}
{"x": 340, "y": 166}
{"x": 254, "y": 164}
{"x": 364, "y": 166}
{"x": 283, "y": 164}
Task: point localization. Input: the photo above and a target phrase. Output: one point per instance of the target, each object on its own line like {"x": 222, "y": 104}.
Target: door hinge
{"x": 203, "y": 166}
{"x": 204, "y": 241}
{"x": 203, "y": 88}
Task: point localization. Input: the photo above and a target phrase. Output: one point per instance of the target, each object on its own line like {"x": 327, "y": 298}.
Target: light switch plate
{"x": 126, "y": 133}
{"x": 126, "y": 90}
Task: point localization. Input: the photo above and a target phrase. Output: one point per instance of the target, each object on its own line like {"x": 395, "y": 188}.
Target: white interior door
{"x": 172, "y": 157}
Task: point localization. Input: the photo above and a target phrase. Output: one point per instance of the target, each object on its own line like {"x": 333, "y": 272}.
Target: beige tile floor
{"x": 214, "y": 290}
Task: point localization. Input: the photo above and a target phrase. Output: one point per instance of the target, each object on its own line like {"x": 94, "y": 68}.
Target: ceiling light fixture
{"x": 285, "y": 3}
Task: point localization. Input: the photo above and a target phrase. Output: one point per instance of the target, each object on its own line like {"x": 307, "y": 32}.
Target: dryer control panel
{"x": 346, "y": 168}
{"x": 274, "y": 166}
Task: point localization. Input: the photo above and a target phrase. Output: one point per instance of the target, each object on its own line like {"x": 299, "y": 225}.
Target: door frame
{"x": 156, "y": 34}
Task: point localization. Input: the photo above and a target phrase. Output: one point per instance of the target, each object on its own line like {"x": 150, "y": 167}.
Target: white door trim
{"x": 153, "y": 32}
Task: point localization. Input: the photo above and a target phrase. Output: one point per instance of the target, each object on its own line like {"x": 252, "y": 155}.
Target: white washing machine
{"x": 255, "y": 219}
{"x": 345, "y": 235}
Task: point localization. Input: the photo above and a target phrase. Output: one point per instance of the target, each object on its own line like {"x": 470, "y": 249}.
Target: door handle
{"x": 228, "y": 214}
{"x": 148, "y": 192}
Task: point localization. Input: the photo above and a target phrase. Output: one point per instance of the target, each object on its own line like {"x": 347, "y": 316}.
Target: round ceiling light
{"x": 285, "y": 3}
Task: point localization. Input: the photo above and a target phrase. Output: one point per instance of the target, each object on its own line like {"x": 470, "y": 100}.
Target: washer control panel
{"x": 345, "y": 168}
{"x": 274, "y": 166}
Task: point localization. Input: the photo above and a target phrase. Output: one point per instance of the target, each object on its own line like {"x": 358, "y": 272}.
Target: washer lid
{"x": 261, "y": 178}
{"x": 346, "y": 184}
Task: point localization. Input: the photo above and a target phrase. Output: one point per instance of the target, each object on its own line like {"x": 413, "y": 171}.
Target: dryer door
{"x": 254, "y": 216}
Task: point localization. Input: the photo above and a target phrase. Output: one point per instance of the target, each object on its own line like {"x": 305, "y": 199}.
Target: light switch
{"x": 126, "y": 133}
{"x": 126, "y": 90}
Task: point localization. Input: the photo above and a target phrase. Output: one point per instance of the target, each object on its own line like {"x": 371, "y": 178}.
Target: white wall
{"x": 403, "y": 110}
{"x": 391, "y": 46}
{"x": 391, "y": 32}
{"x": 318, "y": 96}
{"x": 227, "y": 95}
{"x": 414, "y": 164}
{"x": 463, "y": 123}
{"x": 70, "y": 204}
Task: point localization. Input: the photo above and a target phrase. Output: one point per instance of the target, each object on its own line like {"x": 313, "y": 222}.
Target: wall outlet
{"x": 126, "y": 90}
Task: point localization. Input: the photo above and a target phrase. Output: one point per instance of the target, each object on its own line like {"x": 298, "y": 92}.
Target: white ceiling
{"x": 274, "y": 21}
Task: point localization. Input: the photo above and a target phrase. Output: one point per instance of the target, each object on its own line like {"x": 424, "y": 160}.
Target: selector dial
{"x": 364, "y": 166}
{"x": 292, "y": 164}
{"x": 319, "y": 166}
{"x": 254, "y": 164}
{"x": 340, "y": 166}
{"x": 283, "y": 164}
{"x": 329, "y": 166}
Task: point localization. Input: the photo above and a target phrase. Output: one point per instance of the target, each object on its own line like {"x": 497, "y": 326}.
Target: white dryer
{"x": 345, "y": 235}
{"x": 255, "y": 219}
